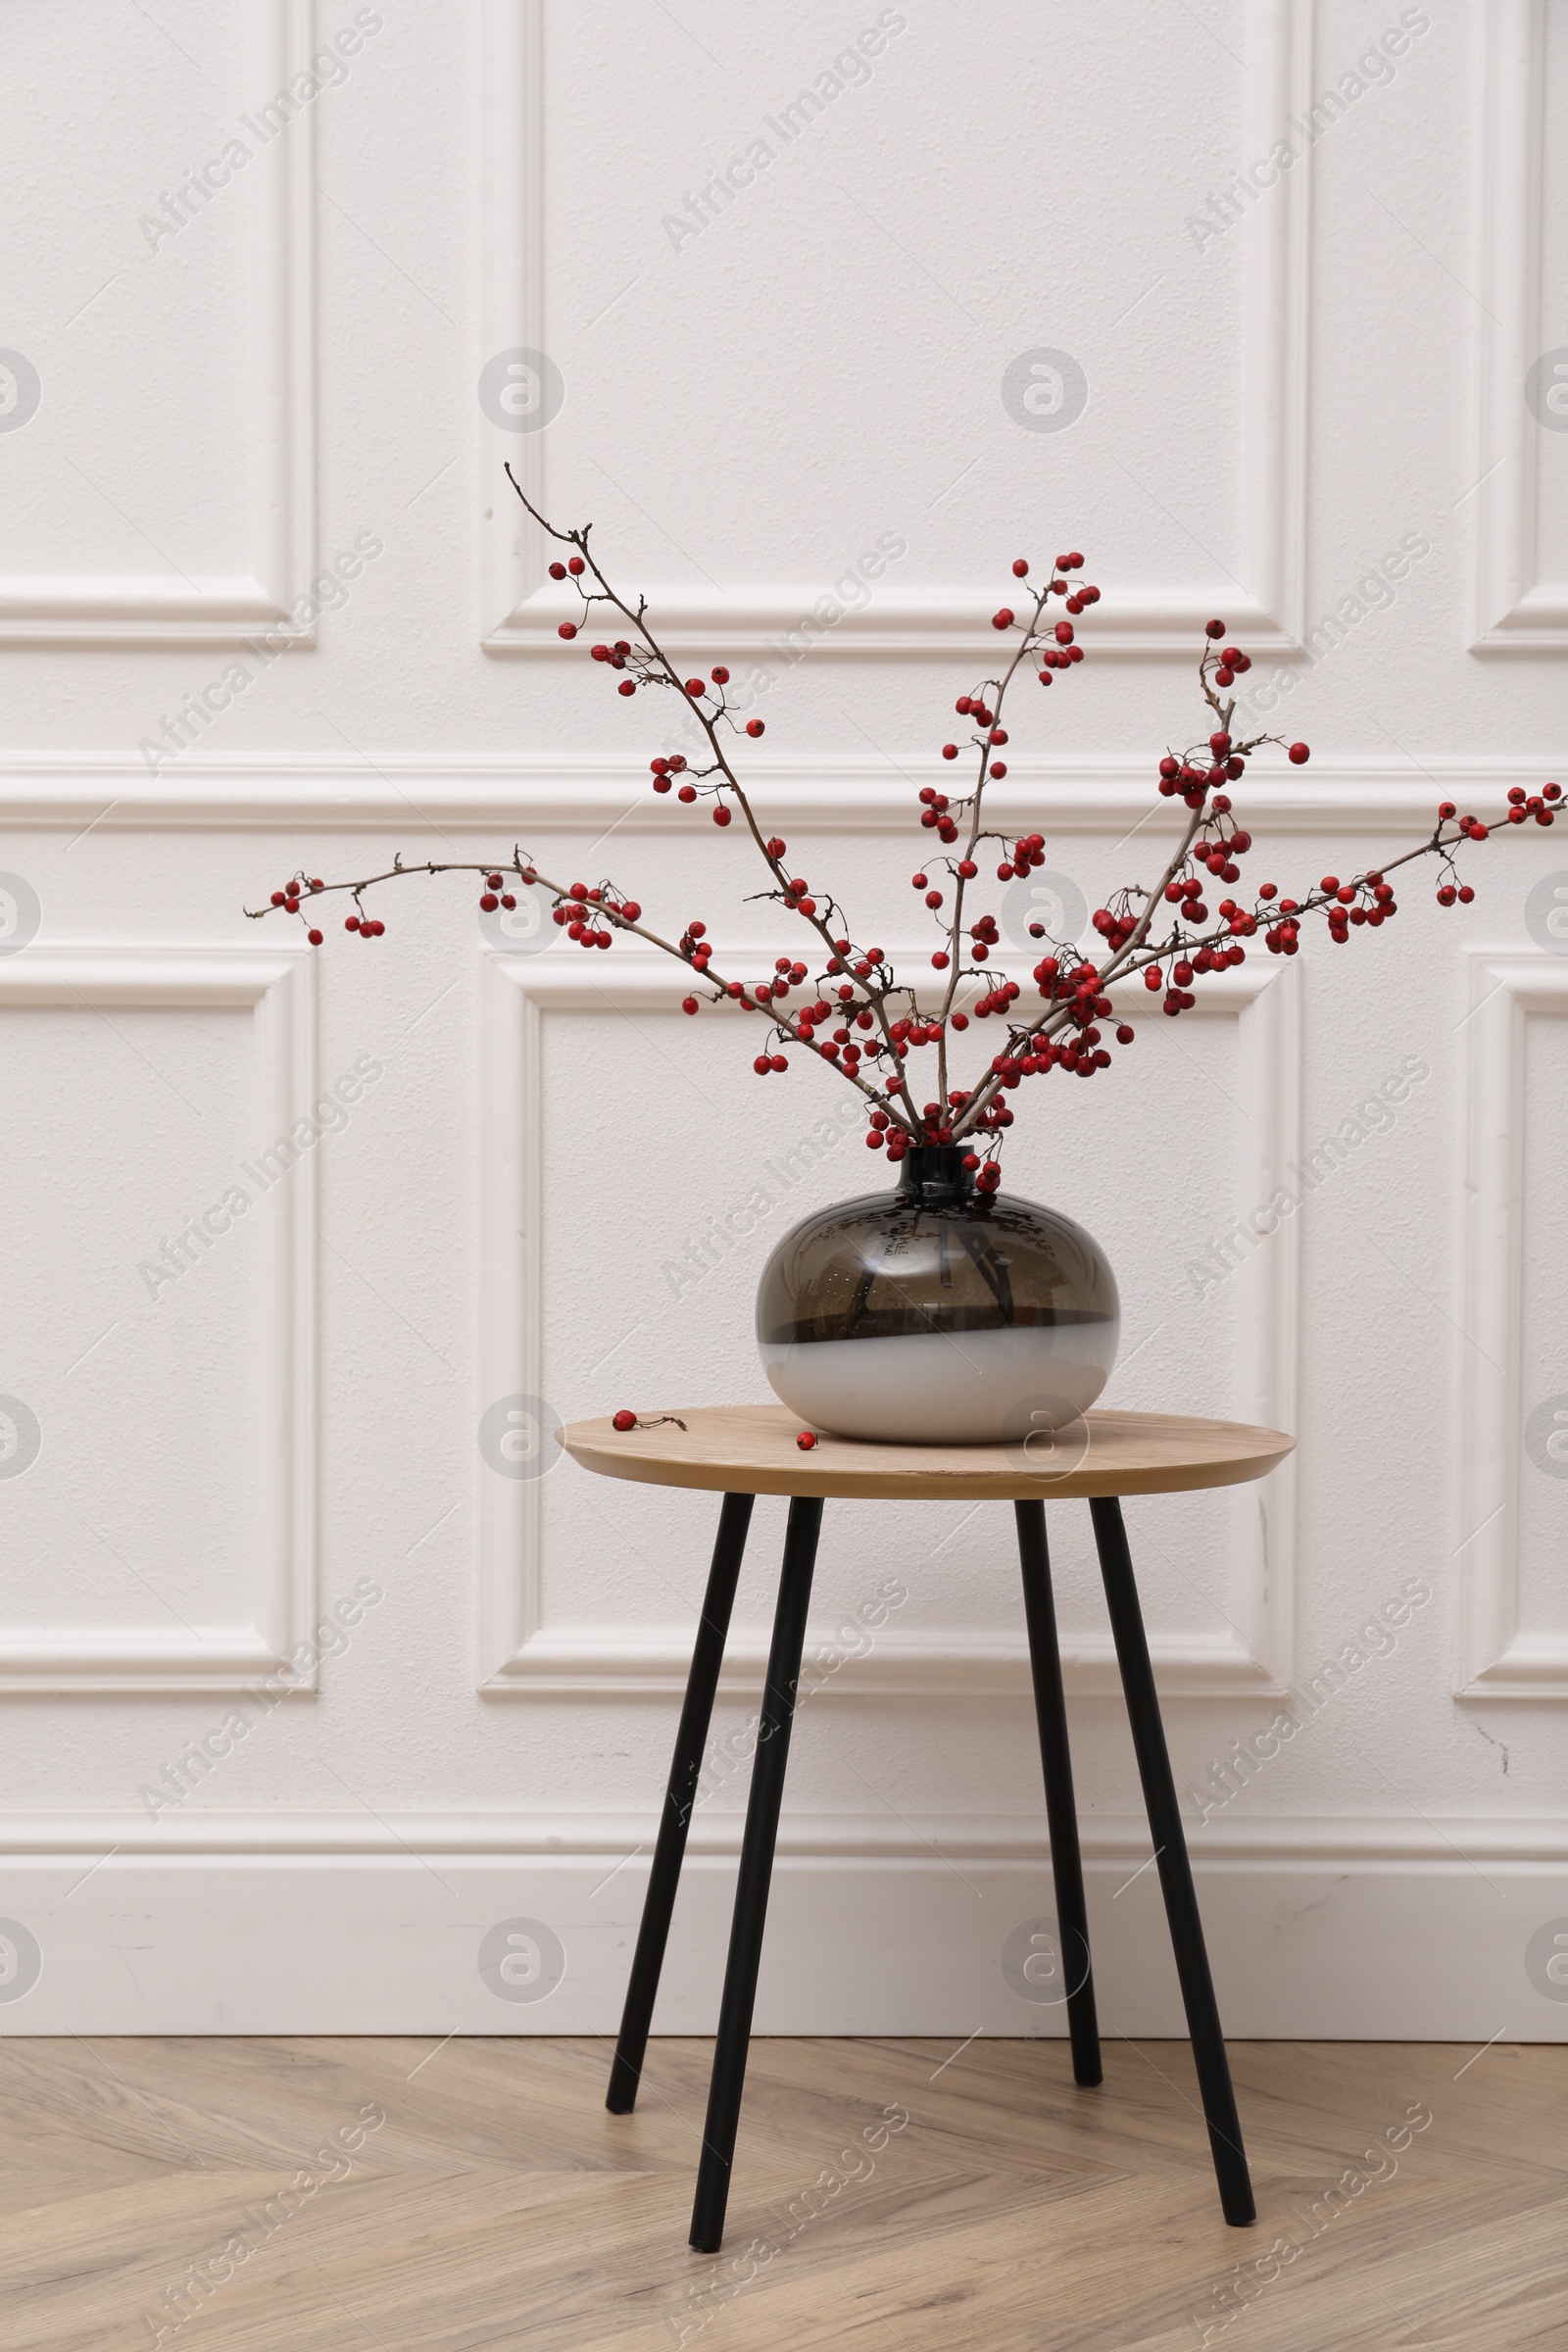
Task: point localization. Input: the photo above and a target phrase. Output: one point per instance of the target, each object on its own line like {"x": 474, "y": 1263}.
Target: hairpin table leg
{"x": 1072, "y": 1917}
{"x": 756, "y": 1867}
{"x": 696, "y": 1714}
{"x": 1175, "y": 1870}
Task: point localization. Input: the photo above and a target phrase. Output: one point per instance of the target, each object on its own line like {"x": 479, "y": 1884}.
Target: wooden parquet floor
{"x": 249, "y": 2196}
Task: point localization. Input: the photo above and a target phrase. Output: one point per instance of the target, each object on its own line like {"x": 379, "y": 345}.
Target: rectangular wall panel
{"x": 172, "y": 1334}
{"x": 1508, "y": 1439}
{"x": 204, "y": 252}
{"x": 1521, "y": 449}
{"x": 525, "y": 1224}
{"x": 1264, "y": 461}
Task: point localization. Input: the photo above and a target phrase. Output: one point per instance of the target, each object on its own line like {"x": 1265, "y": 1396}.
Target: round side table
{"x": 741, "y": 1451}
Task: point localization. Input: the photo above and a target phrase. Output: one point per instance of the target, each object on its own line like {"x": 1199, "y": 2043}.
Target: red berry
{"x": 719, "y": 674}
{"x": 489, "y": 901}
{"x": 754, "y": 726}
{"x": 693, "y": 687}
{"x": 1214, "y": 628}
{"x": 687, "y": 1004}
{"x": 721, "y": 816}
{"x": 949, "y": 751}
{"x": 805, "y": 1441}
{"x": 628, "y": 686}
{"x": 1021, "y": 568}
{"x": 557, "y": 572}
{"x": 574, "y": 564}
{"x": 1003, "y": 619}
{"x": 1219, "y": 743}
{"x": 277, "y": 897}
{"x": 1300, "y": 753}
{"x": 623, "y": 1420}
{"x": 568, "y": 628}
{"x": 314, "y": 938}
{"x": 351, "y": 923}
{"x": 687, "y": 793}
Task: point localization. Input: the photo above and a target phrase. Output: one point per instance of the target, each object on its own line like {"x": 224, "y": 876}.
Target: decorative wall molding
{"x": 1497, "y": 1660}
{"x": 1349, "y": 1839}
{"x": 522, "y": 1653}
{"x": 276, "y": 988}
{"x": 165, "y": 608}
{"x": 1267, "y": 609}
{"x": 1514, "y": 611}
{"x": 416, "y": 795}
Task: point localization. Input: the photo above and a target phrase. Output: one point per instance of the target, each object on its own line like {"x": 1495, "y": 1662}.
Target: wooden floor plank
{"x": 887, "y": 2193}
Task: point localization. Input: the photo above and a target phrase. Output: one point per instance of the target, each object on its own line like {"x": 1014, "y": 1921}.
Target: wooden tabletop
{"x": 751, "y": 1449}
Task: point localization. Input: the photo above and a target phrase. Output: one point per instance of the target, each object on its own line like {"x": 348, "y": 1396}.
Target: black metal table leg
{"x": 1175, "y": 1870}
{"x": 691, "y": 1737}
{"x": 1066, "y": 1865}
{"x": 756, "y": 1873}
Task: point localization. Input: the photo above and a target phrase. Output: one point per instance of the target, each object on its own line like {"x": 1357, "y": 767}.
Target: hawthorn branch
{"x": 709, "y": 722}
{"x": 734, "y": 990}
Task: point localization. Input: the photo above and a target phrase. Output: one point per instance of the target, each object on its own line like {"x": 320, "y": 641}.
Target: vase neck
{"x": 933, "y": 1176}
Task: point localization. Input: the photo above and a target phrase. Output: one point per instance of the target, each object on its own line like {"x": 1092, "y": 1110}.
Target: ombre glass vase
{"x": 938, "y": 1314}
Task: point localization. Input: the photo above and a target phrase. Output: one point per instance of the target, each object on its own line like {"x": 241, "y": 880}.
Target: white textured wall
{"x": 513, "y": 1193}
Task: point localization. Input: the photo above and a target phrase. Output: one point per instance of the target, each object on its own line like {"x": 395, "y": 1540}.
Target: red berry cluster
{"x": 584, "y": 911}
{"x": 288, "y": 899}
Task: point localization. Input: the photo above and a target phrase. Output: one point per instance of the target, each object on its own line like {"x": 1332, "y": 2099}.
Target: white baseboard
{"x": 1366, "y": 1928}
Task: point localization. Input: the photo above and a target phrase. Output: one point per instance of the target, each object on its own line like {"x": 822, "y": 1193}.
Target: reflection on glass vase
{"x": 937, "y": 1314}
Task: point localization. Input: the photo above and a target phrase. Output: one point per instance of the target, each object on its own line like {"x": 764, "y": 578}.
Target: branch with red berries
{"x": 842, "y": 1001}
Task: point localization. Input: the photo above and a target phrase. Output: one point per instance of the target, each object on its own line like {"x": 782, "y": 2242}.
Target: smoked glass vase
{"x": 937, "y": 1314}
